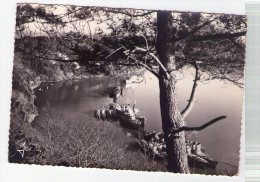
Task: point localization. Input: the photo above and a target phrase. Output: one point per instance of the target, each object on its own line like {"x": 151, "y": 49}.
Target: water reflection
{"x": 214, "y": 98}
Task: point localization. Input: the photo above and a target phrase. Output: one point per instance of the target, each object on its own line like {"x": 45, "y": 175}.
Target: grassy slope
{"x": 87, "y": 143}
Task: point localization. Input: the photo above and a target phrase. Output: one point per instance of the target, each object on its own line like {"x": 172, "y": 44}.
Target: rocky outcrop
{"x": 22, "y": 100}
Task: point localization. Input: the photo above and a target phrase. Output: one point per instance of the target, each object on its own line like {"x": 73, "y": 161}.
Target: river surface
{"x": 76, "y": 99}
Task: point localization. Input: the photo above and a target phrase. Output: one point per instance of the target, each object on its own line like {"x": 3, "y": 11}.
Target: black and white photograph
{"x": 127, "y": 89}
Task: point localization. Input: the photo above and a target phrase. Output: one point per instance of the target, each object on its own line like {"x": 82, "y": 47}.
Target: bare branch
{"x": 191, "y": 100}
{"x": 185, "y": 128}
{"x": 145, "y": 66}
{"x": 146, "y": 42}
{"x": 132, "y": 58}
{"x": 155, "y": 58}
{"x": 114, "y": 52}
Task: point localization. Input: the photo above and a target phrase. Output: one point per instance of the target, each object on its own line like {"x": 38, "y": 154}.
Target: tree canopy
{"x": 99, "y": 37}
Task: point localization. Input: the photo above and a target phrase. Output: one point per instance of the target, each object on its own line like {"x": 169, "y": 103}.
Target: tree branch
{"x": 195, "y": 30}
{"x": 185, "y": 128}
{"x": 145, "y": 66}
{"x": 154, "y": 57}
{"x": 132, "y": 58}
{"x": 114, "y": 52}
{"x": 216, "y": 36}
{"x": 128, "y": 14}
{"x": 191, "y": 100}
{"x": 146, "y": 42}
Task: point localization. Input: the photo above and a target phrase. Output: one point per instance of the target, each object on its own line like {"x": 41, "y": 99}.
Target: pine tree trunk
{"x": 171, "y": 116}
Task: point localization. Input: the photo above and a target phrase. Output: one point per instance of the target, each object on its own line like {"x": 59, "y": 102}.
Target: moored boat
{"x": 203, "y": 161}
{"x": 128, "y": 117}
{"x": 124, "y": 113}
{"x": 154, "y": 145}
{"x": 132, "y": 123}
{"x": 197, "y": 156}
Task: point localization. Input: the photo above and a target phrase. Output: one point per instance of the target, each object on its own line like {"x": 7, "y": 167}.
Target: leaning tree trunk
{"x": 171, "y": 116}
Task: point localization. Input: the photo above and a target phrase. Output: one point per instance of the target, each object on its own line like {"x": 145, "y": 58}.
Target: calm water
{"x": 78, "y": 99}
